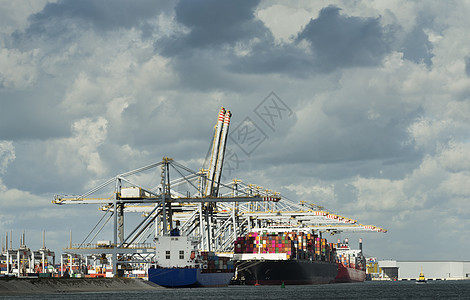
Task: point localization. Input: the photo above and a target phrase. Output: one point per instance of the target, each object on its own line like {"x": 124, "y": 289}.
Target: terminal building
{"x": 433, "y": 270}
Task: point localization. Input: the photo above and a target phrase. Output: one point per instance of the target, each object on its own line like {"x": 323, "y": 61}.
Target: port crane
{"x": 197, "y": 204}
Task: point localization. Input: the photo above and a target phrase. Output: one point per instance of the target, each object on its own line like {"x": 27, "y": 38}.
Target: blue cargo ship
{"x": 179, "y": 264}
{"x": 188, "y": 277}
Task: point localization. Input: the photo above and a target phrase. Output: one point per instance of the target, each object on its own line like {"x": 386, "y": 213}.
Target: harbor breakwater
{"x": 19, "y": 286}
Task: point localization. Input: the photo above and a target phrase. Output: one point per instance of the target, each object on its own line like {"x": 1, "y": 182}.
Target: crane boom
{"x": 215, "y": 151}
{"x": 220, "y": 157}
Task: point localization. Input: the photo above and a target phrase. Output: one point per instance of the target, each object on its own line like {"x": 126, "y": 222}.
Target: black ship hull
{"x": 289, "y": 272}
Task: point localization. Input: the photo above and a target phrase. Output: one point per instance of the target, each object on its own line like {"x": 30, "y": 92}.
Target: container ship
{"x": 179, "y": 265}
{"x": 290, "y": 258}
{"x": 351, "y": 263}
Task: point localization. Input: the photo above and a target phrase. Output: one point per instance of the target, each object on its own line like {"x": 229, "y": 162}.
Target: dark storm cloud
{"x": 31, "y": 114}
{"x": 416, "y": 46}
{"x": 339, "y": 41}
{"x": 270, "y": 58}
{"x": 467, "y": 66}
{"x": 103, "y": 15}
{"x": 353, "y": 135}
{"x": 206, "y": 70}
{"x": 33, "y": 171}
{"x": 213, "y": 23}
{"x": 214, "y": 30}
{"x": 66, "y": 21}
{"x": 361, "y": 141}
{"x": 335, "y": 41}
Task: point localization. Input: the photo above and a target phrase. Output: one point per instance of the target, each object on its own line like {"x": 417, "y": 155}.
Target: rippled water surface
{"x": 366, "y": 290}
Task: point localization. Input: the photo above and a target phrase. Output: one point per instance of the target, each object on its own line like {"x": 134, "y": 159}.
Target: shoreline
{"x": 31, "y": 286}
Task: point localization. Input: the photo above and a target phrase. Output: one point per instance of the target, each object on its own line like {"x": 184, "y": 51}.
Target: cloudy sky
{"x": 359, "y": 106}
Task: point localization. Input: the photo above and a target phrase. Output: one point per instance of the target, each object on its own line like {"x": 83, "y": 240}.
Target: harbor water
{"x": 366, "y": 290}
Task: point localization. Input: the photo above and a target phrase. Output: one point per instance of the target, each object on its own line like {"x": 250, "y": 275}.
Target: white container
{"x": 131, "y": 192}
{"x": 103, "y": 243}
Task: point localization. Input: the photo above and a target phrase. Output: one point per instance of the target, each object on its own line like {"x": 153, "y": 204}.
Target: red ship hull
{"x": 349, "y": 275}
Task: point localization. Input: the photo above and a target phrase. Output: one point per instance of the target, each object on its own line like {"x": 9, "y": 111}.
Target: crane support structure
{"x": 196, "y": 204}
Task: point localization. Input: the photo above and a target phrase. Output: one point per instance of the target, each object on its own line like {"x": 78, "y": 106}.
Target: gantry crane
{"x": 213, "y": 212}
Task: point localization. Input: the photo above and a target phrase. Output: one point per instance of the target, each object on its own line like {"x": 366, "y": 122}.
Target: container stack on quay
{"x": 297, "y": 245}
{"x": 137, "y": 274}
{"x": 73, "y": 266}
{"x": 372, "y": 269}
{"x": 3, "y": 268}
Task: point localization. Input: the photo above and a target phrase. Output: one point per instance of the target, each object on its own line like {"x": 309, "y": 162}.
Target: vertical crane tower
{"x": 218, "y": 152}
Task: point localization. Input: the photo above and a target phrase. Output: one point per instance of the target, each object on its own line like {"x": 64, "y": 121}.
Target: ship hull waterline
{"x": 289, "y": 272}
{"x": 349, "y": 275}
{"x": 188, "y": 277}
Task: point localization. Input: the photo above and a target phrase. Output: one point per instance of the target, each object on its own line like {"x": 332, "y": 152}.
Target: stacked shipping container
{"x": 347, "y": 260}
{"x": 212, "y": 262}
{"x": 296, "y": 245}
{"x": 3, "y": 268}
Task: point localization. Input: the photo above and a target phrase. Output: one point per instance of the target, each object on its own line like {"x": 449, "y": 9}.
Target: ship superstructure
{"x": 178, "y": 263}
{"x": 351, "y": 263}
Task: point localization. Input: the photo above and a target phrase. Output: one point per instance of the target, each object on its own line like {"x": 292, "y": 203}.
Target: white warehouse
{"x": 433, "y": 270}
